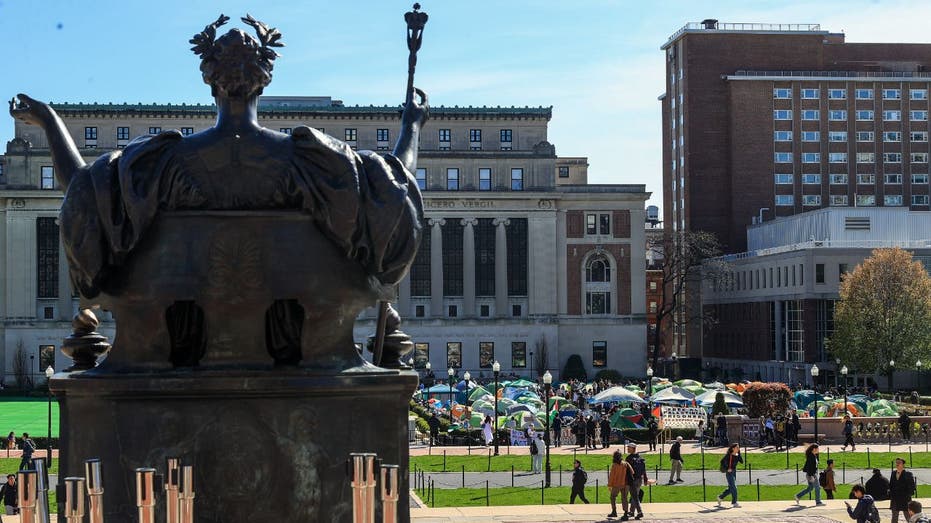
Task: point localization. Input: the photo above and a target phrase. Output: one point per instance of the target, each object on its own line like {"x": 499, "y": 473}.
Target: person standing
{"x": 487, "y": 431}
{"x": 9, "y": 494}
{"x": 652, "y": 430}
{"x": 914, "y": 513}
{"x": 557, "y": 430}
{"x": 878, "y": 486}
{"x": 905, "y": 425}
{"x": 829, "y": 486}
{"x": 579, "y": 478}
{"x": 11, "y": 441}
{"x": 605, "y": 431}
{"x": 29, "y": 447}
{"x": 675, "y": 462}
{"x": 536, "y": 453}
{"x": 617, "y": 483}
{"x": 811, "y": 475}
{"x": 848, "y": 434}
{"x": 901, "y": 488}
{"x": 780, "y": 432}
{"x": 636, "y": 480}
{"x": 866, "y": 506}
{"x": 729, "y": 463}
{"x": 700, "y": 433}
{"x": 796, "y": 425}
{"x": 434, "y": 424}
{"x": 590, "y": 432}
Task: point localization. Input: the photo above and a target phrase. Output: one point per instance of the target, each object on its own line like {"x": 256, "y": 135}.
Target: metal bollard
{"x": 42, "y": 508}
{"x": 362, "y": 481}
{"x": 74, "y": 500}
{"x": 389, "y": 493}
{"x": 93, "y": 481}
{"x": 145, "y": 494}
{"x": 172, "y": 482}
{"x": 186, "y": 495}
{"x": 26, "y": 496}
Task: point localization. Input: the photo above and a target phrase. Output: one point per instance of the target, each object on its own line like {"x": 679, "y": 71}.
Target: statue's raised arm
{"x": 65, "y": 155}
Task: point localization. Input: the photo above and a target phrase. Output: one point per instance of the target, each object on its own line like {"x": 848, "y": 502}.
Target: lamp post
{"x": 451, "y": 372}
{"x": 650, "y": 391}
{"x": 496, "y": 368}
{"x": 547, "y": 383}
{"x": 918, "y": 364}
{"x": 49, "y": 372}
{"x": 843, "y": 372}
{"x": 891, "y": 371}
{"x": 814, "y": 379}
{"x": 837, "y": 361}
{"x": 675, "y": 365}
{"x": 531, "y": 368}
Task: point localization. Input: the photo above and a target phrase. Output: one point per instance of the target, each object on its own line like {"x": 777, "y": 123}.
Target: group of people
{"x": 780, "y": 430}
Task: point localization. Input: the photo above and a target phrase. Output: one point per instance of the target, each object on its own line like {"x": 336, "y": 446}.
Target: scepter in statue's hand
{"x": 416, "y": 20}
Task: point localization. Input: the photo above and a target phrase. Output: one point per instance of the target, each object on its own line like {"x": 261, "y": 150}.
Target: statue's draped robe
{"x": 367, "y": 204}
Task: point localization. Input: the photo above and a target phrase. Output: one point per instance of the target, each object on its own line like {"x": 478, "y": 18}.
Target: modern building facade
{"x": 521, "y": 258}
{"x": 762, "y": 121}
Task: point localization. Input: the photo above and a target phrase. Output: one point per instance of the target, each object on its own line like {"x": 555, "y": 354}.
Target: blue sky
{"x": 597, "y": 62}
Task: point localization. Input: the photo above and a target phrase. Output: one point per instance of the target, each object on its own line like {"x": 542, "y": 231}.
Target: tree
{"x": 762, "y": 399}
{"x": 685, "y": 260}
{"x": 574, "y": 369}
{"x": 20, "y": 366}
{"x": 541, "y": 352}
{"x": 720, "y": 406}
{"x": 884, "y": 314}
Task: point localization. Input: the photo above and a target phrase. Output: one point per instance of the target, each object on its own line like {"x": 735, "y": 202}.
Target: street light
{"x": 547, "y": 383}
{"x": 49, "y": 372}
{"x": 814, "y": 376}
{"x": 451, "y": 373}
{"x": 675, "y": 363}
{"x": 650, "y": 391}
{"x": 891, "y": 371}
{"x": 843, "y": 372}
{"x": 496, "y": 368}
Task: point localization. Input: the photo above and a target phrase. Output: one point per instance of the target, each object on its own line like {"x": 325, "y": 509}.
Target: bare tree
{"x": 541, "y": 354}
{"x": 685, "y": 259}
{"x": 20, "y": 365}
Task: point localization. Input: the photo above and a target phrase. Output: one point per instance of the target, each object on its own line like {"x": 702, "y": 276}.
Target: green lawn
{"x": 11, "y": 465}
{"x": 475, "y": 497}
{"x": 757, "y": 460}
{"x": 26, "y": 415}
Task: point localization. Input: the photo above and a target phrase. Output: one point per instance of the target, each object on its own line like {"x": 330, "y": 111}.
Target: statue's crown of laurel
{"x": 268, "y": 38}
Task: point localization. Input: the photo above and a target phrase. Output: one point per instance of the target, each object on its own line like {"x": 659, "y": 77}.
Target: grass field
{"x": 756, "y": 460}
{"x": 476, "y": 497}
{"x": 26, "y": 415}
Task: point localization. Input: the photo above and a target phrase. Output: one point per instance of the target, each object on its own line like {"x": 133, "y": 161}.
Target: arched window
{"x": 598, "y": 286}
{"x": 598, "y": 269}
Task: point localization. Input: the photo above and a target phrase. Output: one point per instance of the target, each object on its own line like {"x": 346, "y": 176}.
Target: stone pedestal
{"x": 267, "y": 446}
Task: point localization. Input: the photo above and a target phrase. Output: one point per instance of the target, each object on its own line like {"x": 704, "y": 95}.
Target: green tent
{"x": 478, "y": 392}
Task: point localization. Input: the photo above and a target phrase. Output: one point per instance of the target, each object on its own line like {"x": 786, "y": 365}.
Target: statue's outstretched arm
{"x": 412, "y": 120}
{"x": 65, "y": 155}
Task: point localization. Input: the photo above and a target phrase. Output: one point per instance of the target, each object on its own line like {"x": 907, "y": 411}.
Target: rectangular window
{"x": 475, "y": 135}
{"x": 122, "y": 133}
{"x": 811, "y": 157}
{"x": 839, "y": 200}
{"x": 892, "y": 200}
{"x": 918, "y": 116}
{"x": 485, "y": 233}
{"x": 484, "y": 179}
{"x": 892, "y": 94}
{"x": 811, "y": 179}
{"x": 809, "y": 94}
{"x": 597, "y": 302}
{"x": 893, "y": 179}
{"x": 892, "y": 116}
{"x": 892, "y": 136}
{"x": 484, "y": 311}
{"x": 604, "y": 224}
{"x": 919, "y": 178}
{"x": 350, "y": 135}
{"x": 892, "y": 157}
{"x": 445, "y": 135}
{"x": 837, "y": 136}
{"x": 811, "y": 136}
{"x": 783, "y": 179}
{"x": 811, "y": 200}
{"x": 866, "y": 179}
{"x": 864, "y": 116}
{"x": 188, "y": 131}
{"x": 453, "y": 267}
{"x": 819, "y": 273}
{"x": 918, "y": 94}
{"x": 918, "y": 136}
{"x": 155, "y": 130}
{"x": 421, "y": 176}
{"x": 563, "y": 172}
{"x": 518, "y": 354}
{"x": 453, "y": 311}
{"x": 919, "y": 199}
{"x": 866, "y": 200}
{"x": 420, "y": 311}
{"x": 591, "y": 224}
{"x": 783, "y": 158}
{"x": 838, "y": 179}
{"x": 90, "y": 133}
{"x": 782, "y": 114}
{"x": 420, "y": 274}
{"x": 782, "y": 136}
{"x": 837, "y": 115}
{"x": 837, "y": 94}
{"x": 454, "y": 354}
{"x": 452, "y": 179}
{"x": 864, "y": 136}
{"x": 864, "y": 94}
{"x": 506, "y": 135}
{"x": 599, "y": 354}
{"x": 866, "y": 157}
{"x": 837, "y": 157}
{"x": 810, "y": 114}
{"x": 381, "y": 135}
{"x": 919, "y": 157}
{"x": 421, "y": 355}
{"x": 486, "y": 354}
{"x": 48, "y": 177}
{"x": 516, "y": 235}
{"x": 516, "y": 310}
{"x": 782, "y": 93}
{"x": 841, "y": 269}
{"x": 47, "y": 241}
{"x": 517, "y": 179}
{"x": 783, "y": 200}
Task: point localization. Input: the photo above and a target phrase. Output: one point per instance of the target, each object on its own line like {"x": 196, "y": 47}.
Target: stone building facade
{"x": 521, "y": 257}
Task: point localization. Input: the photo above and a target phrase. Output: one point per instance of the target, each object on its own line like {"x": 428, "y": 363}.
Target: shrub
{"x": 762, "y": 399}
{"x": 720, "y": 406}
{"x": 574, "y": 369}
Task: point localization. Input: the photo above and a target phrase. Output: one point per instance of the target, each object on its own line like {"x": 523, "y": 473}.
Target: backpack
{"x": 724, "y": 464}
{"x": 639, "y": 467}
{"x": 874, "y": 514}
{"x": 533, "y": 448}
{"x": 822, "y": 479}
{"x": 584, "y": 475}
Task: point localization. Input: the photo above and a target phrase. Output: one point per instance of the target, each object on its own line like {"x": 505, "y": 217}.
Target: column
{"x": 436, "y": 267}
{"x": 778, "y": 335}
{"x": 404, "y": 297}
{"x": 501, "y": 268}
{"x": 468, "y": 266}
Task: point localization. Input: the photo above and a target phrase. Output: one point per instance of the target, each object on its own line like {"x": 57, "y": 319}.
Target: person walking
{"x": 605, "y": 431}
{"x": 29, "y": 447}
{"x": 828, "y": 484}
{"x": 675, "y": 462}
{"x": 536, "y": 453}
{"x": 901, "y": 488}
{"x": 637, "y": 479}
{"x": 914, "y": 513}
{"x": 487, "y": 431}
{"x": 848, "y": 434}
{"x": 617, "y": 483}
{"x": 865, "y": 511}
{"x": 811, "y": 475}
{"x": 579, "y": 478}
{"x": 557, "y": 430}
{"x": 729, "y": 463}
{"x": 8, "y": 492}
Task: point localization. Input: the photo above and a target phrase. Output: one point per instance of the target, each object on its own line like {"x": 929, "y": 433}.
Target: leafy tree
{"x": 761, "y": 399}
{"x": 719, "y": 407}
{"x": 574, "y": 369}
{"x": 884, "y": 314}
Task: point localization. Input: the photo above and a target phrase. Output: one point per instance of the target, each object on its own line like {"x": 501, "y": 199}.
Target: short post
{"x": 702, "y": 447}
{"x": 868, "y": 463}
{"x": 389, "y": 493}
{"x": 843, "y": 472}
{"x": 74, "y": 500}
{"x": 542, "y": 493}
{"x": 910, "y": 457}
{"x": 796, "y": 474}
{"x": 758, "y": 489}
{"x": 487, "y": 502}
{"x": 145, "y": 494}
{"x": 444, "y": 460}
{"x": 512, "y": 475}
{"x": 93, "y": 483}
{"x": 463, "y": 476}
{"x": 26, "y": 495}
{"x": 560, "y": 474}
{"x": 596, "y": 491}
{"x": 42, "y": 506}
{"x": 172, "y": 483}
{"x": 656, "y": 472}
{"x": 704, "y": 495}
{"x": 650, "y": 491}
{"x": 750, "y": 475}
{"x": 186, "y": 493}
{"x": 787, "y": 456}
